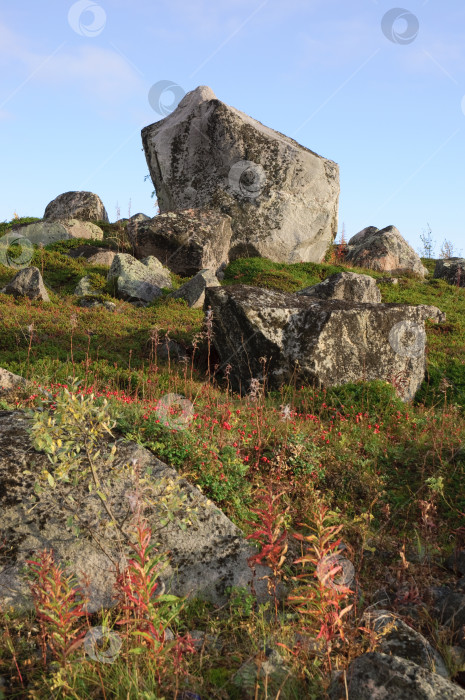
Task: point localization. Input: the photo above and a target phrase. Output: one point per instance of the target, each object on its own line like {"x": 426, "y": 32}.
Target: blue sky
{"x": 387, "y": 106}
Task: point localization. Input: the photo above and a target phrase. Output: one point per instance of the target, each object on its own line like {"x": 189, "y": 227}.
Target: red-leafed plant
{"x": 146, "y": 614}
{"x": 322, "y": 599}
{"x": 271, "y": 536}
{"x": 58, "y": 606}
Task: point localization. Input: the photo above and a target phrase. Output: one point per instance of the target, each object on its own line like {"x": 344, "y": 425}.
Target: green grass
{"x": 356, "y": 448}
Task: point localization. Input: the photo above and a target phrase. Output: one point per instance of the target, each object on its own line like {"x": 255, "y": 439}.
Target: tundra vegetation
{"x": 300, "y": 470}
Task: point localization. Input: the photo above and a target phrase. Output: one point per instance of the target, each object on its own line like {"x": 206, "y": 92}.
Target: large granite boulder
{"x": 376, "y": 675}
{"x": 85, "y": 206}
{"x": 40, "y": 232}
{"x": 281, "y": 196}
{"x": 138, "y": 280}
{"x": 384, "y": 250}
{"x": 45, "y": 232}
{"x": 185, "y": 241}
{"x": 193, "y": 291}
{"x": 205, "y": 557}
{"x": 347, "y": 286}
{"x": 452, "y": 270}
{"x": 27, "y": 282}
{"x": 323, "y": 341}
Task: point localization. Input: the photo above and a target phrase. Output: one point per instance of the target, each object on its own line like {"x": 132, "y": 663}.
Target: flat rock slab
{"x": 40, "y": 232}
{"x": 396, "y": 637}
{"x": 281, "y": 196}
{"x": 323, "y": 342}
{"x": 82, "y": 229}
{"x": 347, "y": 286}
{"x": 376, "y": 675}
{"x": 210, "y": 555}
{"x": 185, "y": 241}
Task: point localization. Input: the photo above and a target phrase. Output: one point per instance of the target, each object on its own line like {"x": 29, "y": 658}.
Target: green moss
{"x": 7, "y": 225}
{"x": 65, "y": 246}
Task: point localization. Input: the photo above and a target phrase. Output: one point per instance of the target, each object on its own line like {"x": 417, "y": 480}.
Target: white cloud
{"x": 101, "y": 74}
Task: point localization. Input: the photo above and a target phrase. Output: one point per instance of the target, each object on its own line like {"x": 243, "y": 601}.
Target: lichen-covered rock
{"x": 85, "y": 288}
{"x": 138, "y": 280}
{"x": 326, "y": 342}
{"x": 27, "y": 283}
{"x": 89, "y": 252}
{"x": 82, "y": 229}
{"x": 193, "y": 291}
{"x": 282, "y": 197}
{"x": 41, "y": 232}
{"x": 185, "y": 241}
{"x": 85, "y": 206}
{"x": 376, "y": 675}
{"x": 384, "y": 250}
{"x": 449, "y": 610}
{"x": 205, "y": 558}
{"x": 139, "y": 217}
{"x": 103, "y": 257}
{"x": 347, "y": 286}
{"x": 10, "y": 381}
{"x": 452, "y": 270}
{"x": 396, "y": 637}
